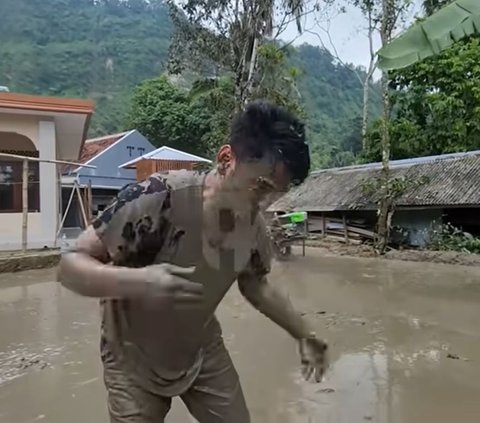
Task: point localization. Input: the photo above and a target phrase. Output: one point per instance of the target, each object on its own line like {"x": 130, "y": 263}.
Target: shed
{"x": 164, "y": 159}
{"x": 451, "y": 193}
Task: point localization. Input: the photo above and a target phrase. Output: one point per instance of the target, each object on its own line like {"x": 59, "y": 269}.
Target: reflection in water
{"x": 404, "y": 341}
{"x": 355, "y": 389}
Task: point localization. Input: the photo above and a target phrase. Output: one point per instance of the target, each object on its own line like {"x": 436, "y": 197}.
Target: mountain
{"x": 101, "y": 49}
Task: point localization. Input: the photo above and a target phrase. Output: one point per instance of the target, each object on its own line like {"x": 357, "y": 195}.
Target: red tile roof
{"x": 93, "y": 147}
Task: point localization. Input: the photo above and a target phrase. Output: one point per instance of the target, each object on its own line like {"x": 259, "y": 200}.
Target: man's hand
{"x": 170, "y": 281}
{"x": 313, "y": 353}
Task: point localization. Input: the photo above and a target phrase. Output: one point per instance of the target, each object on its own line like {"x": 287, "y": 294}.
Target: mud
{"x": 333, "y": 247}
{"x": 405, "y": 346}
{"x": 16, "y": 261}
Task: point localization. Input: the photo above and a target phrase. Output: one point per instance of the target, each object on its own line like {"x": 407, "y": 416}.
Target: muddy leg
{"x": 128, "y": 402}
{"x": 216, "y": 396}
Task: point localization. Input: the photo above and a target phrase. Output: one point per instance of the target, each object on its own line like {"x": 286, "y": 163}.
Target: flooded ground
{"x": 405, "y": 346}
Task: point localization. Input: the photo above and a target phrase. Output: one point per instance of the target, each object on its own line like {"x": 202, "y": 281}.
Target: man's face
{"x": 259, "y": 181}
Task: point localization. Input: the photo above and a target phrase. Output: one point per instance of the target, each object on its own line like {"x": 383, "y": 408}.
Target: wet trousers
{"x": 214, "y": 397}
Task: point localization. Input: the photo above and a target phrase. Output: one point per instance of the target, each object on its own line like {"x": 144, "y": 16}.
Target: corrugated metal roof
{"x": 452, "y": 180}
{"x": 166, "y": 153}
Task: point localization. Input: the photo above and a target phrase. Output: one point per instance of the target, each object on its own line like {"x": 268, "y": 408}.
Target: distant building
{"x": 451, "y": 193}
{"x": 48, "y": 128}
{"x": 106, "y": 153}
{"x": 164, "y": 159}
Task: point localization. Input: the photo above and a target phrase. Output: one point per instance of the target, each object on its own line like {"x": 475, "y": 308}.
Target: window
{"x": 11, "y": 186}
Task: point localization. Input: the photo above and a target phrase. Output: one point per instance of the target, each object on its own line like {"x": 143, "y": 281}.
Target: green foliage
{"x": 166, "y": 116}
{"x": 277, "y": 79}
{"x": 83, "y": 48}
{"x": 430, "y": 36}
{"x": 102, "y": 49}
{"x": 436, "y": 106}
{"x": 449, "y": 238}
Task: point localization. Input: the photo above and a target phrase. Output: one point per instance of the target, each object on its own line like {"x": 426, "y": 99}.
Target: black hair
{"x": 265, "y": 130}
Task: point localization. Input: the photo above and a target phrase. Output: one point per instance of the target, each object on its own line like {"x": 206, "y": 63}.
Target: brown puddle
{"x": 405, "y": 346}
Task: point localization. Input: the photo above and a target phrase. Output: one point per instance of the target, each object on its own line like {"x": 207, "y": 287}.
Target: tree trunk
{"x": 385, "y": 206}
{"x": 368, "y": 78}
{"x": 251, "y": 73}
{"x": 385, "y": 209}
{"x": 366, "y": 99}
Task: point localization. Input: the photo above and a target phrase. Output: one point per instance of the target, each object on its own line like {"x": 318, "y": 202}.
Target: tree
{"x": 225, "y": 37}
{"x": 391, "y": 12}
{"x": 437, "y": 107}
{"x": 163, "y": 113}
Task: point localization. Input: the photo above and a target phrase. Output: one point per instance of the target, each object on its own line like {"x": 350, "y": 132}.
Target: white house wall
{"x": 42, "y": 226}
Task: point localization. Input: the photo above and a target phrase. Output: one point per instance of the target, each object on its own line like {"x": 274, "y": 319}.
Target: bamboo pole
{"x": 82, "y": 207}
{"x": 66, "y": 211}
{"x": 36, "y": 159}
{"x": 25, "y": 160}
{"x": 24, "y": 205}
{"x": 90, "y": 201}
{"x": 59, "y": 203}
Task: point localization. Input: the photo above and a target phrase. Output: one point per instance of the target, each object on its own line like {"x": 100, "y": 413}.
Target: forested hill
{"x": 102, "y": 48}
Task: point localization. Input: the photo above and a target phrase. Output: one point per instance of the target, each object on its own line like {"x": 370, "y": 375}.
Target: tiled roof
{"x": 451, "y": 180}
{"x": 93, "y": 147}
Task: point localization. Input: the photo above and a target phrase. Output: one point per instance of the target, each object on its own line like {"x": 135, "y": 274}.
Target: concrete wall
{"x": 417, "y": 224}
{"x": 21, "y": 124}
{"x": 41, "y": 226}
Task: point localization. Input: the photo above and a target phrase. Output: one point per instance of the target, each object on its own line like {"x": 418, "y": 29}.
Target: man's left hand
{"x": 313, "y": 353}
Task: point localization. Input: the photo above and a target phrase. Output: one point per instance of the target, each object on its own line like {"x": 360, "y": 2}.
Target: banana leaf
{"x": 432, "y": 35}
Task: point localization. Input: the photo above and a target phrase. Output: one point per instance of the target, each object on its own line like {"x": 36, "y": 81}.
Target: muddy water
{"x": 405, "y": 344}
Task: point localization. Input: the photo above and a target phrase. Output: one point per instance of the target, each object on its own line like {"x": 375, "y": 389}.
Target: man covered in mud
{"x": 163, "y": 256}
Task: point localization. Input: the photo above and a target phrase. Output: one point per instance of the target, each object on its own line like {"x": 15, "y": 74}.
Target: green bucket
{"x": 296, "y": 217}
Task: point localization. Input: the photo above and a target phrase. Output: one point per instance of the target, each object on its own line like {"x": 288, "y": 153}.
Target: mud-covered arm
{"x": 84, "y": 270}
{"x": 272, "y": 303}
{"x": 116, "y": 236}
{"x": 267, "y": 299}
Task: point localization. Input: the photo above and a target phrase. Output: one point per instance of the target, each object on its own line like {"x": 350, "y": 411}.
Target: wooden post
{"x": 345, "y": 229}
{"x": 82, "y": 207}
{"x": 25, "y": 205}
{"x": 90, "y": 201}
{"x": 59, "y": 203}
{"x": 305, "y": 228}
{"x": 66, "y": 211}
{"x": 324, "y": 226}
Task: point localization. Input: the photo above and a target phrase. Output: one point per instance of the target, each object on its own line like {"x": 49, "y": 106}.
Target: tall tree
{"x": 391, "y": 12}
{"x": 225, "y": 36}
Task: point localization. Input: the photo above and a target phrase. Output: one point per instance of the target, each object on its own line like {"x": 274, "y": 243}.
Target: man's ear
{"x": 225, "y": 159}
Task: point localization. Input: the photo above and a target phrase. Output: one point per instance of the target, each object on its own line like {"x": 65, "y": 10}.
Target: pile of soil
{"x": 15, "y": 261}
{"x": 365, "y": 250}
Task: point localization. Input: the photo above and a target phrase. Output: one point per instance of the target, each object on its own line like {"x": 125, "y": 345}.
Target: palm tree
{"x": 451, "y": 23}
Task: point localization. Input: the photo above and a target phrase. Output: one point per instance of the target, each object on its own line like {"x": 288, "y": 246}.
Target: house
{"x": 45, "y": 128}
{"x": 450, "y": 192}
{"x": 163, "y": 159}
{"x": 106, "y": 153}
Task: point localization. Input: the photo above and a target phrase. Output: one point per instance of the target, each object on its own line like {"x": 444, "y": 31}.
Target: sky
{"x": 347, "y": 31}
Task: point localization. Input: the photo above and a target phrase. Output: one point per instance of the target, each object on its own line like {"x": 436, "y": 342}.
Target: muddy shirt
{"x": 160, "y": 220}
